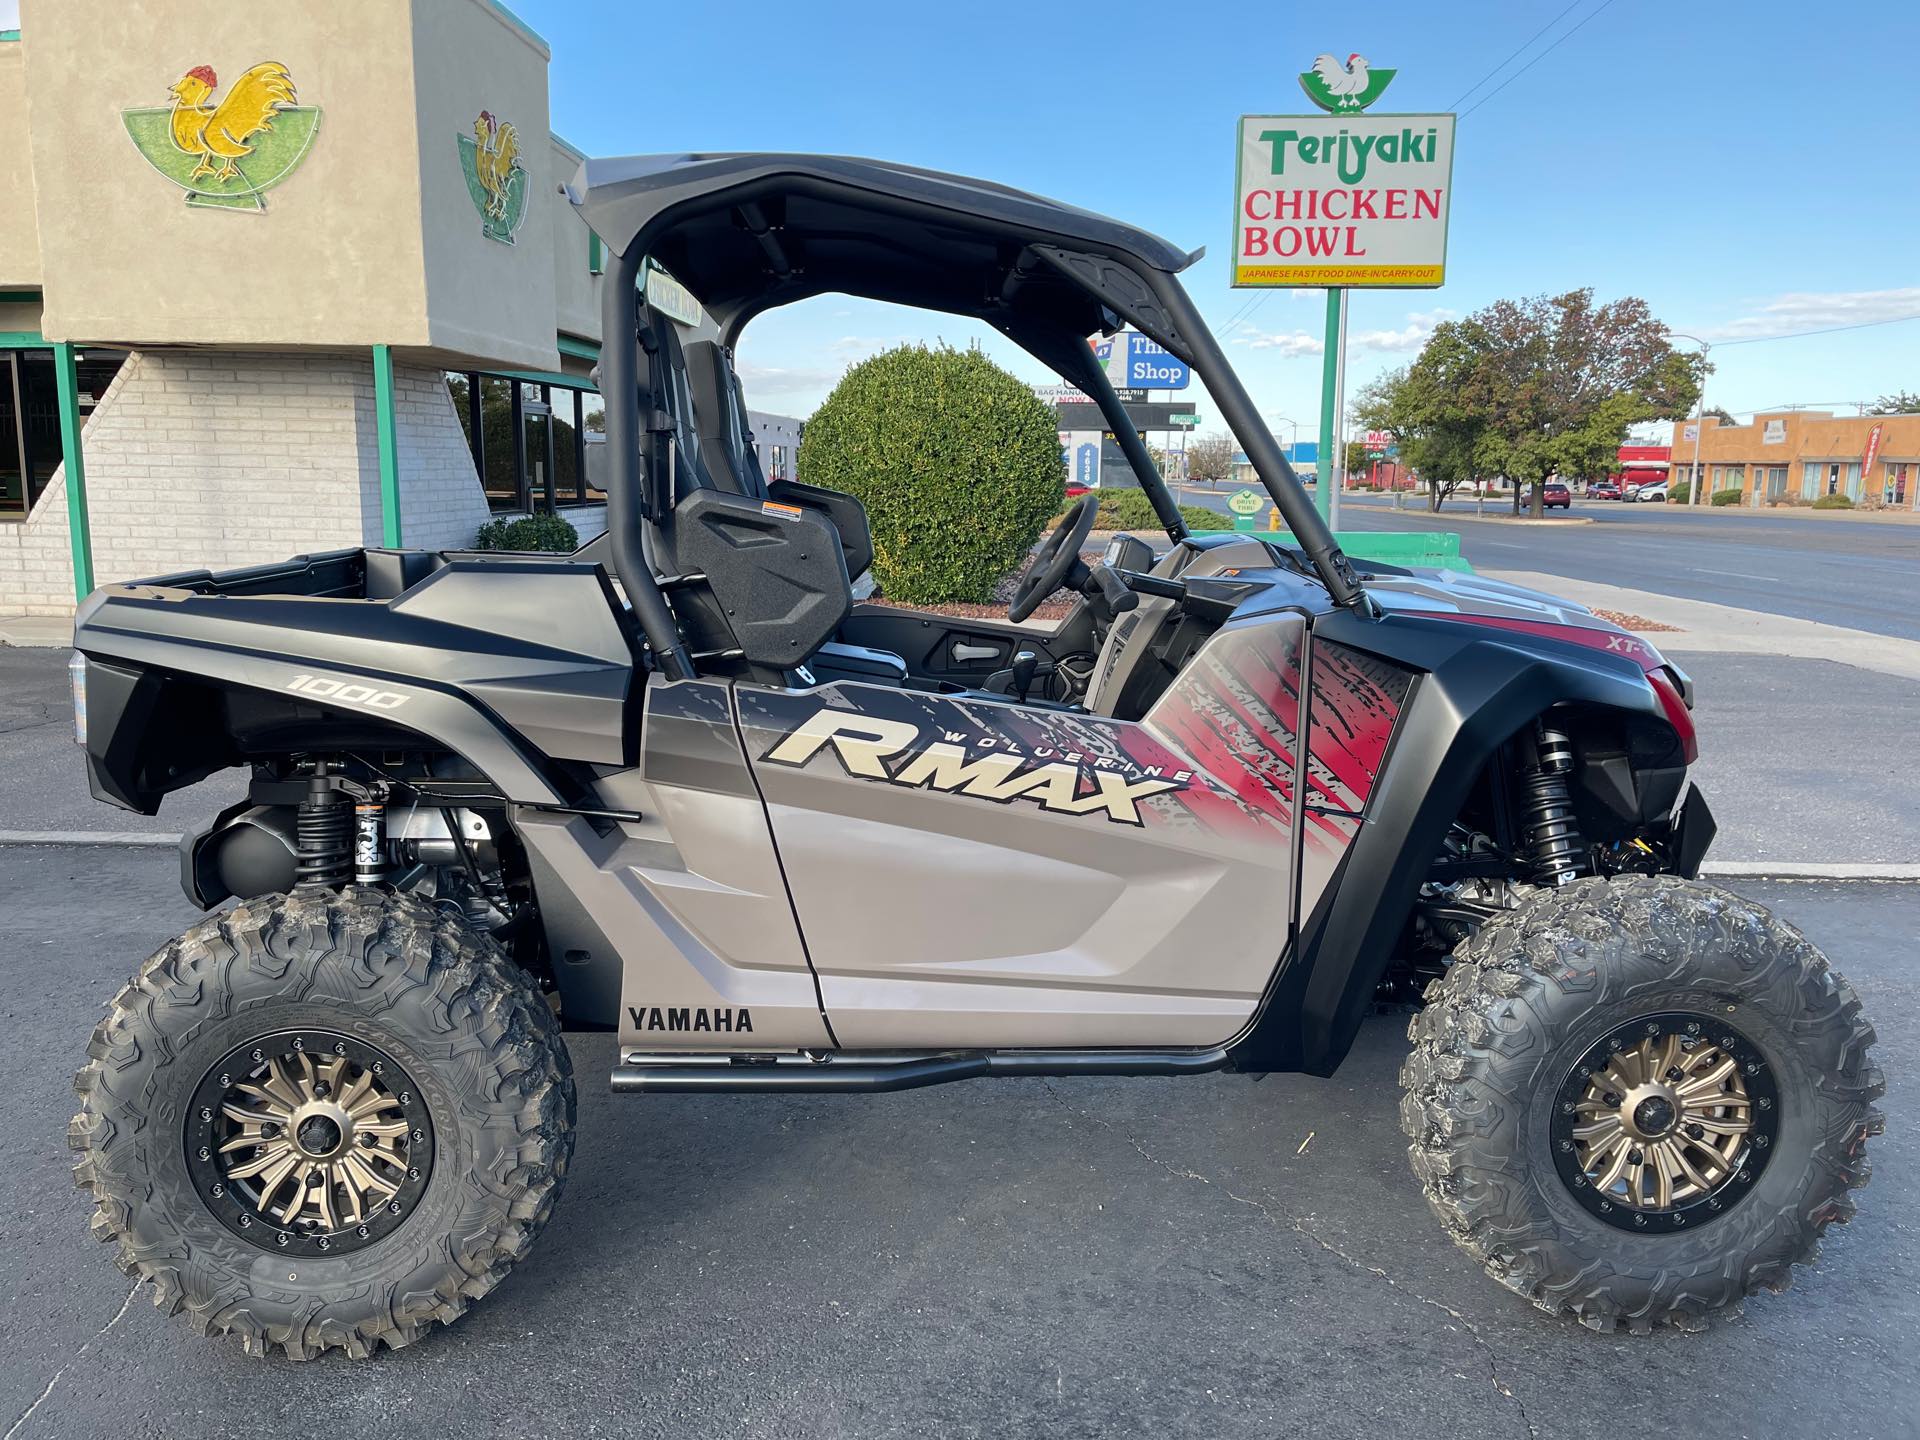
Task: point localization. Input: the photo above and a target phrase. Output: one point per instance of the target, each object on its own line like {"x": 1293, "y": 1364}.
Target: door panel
{"x": 969, "y": 872}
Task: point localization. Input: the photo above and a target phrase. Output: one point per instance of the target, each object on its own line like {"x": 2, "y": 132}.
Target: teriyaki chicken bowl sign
{"x": 1343, "y": 199}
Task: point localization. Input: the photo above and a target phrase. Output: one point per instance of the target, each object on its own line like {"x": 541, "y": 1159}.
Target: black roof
{"x": 746, "y": 232}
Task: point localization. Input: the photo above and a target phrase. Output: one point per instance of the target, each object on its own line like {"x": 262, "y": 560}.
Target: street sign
{"x": 1246, "y": 502}
{"x": 1189, "y": 420}
{"x": 1343, "y": 199}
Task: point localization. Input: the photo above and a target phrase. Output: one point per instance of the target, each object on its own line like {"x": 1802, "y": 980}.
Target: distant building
{"x": 1791, "y": 456}
{"x": 777, "y": 439}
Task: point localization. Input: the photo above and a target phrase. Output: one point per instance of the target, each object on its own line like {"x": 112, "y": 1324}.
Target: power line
{"x": 1511, "y": 58}
{"x": 1830, "y": 330}
{"x": 1566, "y": 36}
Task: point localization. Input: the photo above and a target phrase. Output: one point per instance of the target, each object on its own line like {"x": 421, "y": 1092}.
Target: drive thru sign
{"x": 1343, "y": 200}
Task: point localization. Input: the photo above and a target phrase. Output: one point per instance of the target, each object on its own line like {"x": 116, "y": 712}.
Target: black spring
{"x": 1553, "y": 836}
{"x": 323, "y": 831}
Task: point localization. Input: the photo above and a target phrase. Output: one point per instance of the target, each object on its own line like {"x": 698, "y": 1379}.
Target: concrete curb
{"x": 145, "y": 838}
{"x": 1712, "y": 870}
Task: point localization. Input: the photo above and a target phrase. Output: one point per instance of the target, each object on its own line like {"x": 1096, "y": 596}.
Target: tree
{"x": 1725, "y": 417}
{"x": 1547, "y": 385}
{"x": 1900, "y": 402}
{"x": 1210, "y": 456}
{"x": 957, "y": 463}
{"x": 1437, "y": 436}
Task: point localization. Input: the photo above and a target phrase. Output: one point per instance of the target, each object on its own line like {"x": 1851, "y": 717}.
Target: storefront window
{"x": 30, "y": 445}
{"x": 529, "y": 434}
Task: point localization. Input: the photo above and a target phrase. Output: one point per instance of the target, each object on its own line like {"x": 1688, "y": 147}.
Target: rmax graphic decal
{"x": 986, "y": 765}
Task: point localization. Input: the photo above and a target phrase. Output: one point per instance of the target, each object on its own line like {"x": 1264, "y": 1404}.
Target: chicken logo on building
{"x": 495, "y": 177}
{"x": 226, "y": 152}
{"x": 1344, "y": 89}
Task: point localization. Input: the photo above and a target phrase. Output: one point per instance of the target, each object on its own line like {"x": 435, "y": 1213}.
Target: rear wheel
{"x": 1639, "y": 1100}
{"x": 324, "y": 1121}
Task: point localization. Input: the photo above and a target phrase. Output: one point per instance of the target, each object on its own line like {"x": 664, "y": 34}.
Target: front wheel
{"x": 1639, "y": 1100}
{"x": 324, "y": 1121}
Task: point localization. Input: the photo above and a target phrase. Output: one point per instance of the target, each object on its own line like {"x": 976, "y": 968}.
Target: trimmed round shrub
{"x": 528, "y": 532}
{"x": 958, "y": 464}
{"x": 1834, "y": 502}
{"x": 1680, "y": 494}
{"x": 1726, "y": 497}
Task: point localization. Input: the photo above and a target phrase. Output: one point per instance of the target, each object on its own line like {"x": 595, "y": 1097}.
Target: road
{"x": 1205, "y": 1257}
{"x": 1864, "y": 575}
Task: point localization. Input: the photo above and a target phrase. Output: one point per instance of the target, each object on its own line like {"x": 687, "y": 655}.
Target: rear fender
{"x": 1478, "y": 691}
{"x": 182, "y": 685}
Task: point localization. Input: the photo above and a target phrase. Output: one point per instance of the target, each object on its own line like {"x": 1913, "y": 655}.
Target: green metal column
{"x": 389, "y": 453}
{"x": 66, "y": 381}
{"x": 1323, "y": 490}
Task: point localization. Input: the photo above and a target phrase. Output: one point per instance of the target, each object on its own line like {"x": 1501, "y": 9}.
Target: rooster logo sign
{"x": 227, "y": 152}
{"x": 495, "y": 177}
{"x": 1344, "y": 89}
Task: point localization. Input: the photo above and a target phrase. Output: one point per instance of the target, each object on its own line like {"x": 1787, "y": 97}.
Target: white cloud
{"x": 1411, "y": 336}
{"x": 1802, "y": 310}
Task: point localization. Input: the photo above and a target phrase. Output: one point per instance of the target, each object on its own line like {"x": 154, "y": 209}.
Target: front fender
{"x": 1476, "y": 691}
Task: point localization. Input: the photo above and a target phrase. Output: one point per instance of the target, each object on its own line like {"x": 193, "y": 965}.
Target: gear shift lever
{"x": 1024, "y": 664}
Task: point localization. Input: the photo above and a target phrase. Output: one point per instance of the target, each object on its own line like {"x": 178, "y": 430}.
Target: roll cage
{"x": 750, "y": 232}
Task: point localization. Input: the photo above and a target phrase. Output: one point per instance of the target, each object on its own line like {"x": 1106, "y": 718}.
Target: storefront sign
{"x": 1131, "y": 359}
{"x": 1775, "y": 433}
{"x": 1690, "y": 432}
{"x": 1086, "y": 465}
{"x": 1343, "y": 199}
{"x": 671, "y": 298}
{"x": 1873, "y": 452}
{"x": 496, "y": 180}
{"x": 226, "y": 154}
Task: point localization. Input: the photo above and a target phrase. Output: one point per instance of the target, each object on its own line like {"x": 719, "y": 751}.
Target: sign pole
{"x": 1324, "y": 490}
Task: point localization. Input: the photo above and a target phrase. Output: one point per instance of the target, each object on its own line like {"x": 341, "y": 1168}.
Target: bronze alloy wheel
{"x": 1665, "y": 1122}
{"x": 309, "y": 1142}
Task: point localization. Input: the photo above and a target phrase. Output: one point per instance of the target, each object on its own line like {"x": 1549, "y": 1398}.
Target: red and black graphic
{"x": 1217, "y": 752}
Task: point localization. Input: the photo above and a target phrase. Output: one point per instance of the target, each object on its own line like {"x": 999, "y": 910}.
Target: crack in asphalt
{"x": 118, "y": 1316}
{"x": 1300, "y": 1228}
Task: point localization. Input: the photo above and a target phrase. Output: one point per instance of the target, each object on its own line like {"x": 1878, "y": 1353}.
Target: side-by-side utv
{"x": 679, "y": 785}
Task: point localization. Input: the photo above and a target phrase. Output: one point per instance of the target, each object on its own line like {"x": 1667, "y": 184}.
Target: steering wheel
{"x": 1053, "y": 562}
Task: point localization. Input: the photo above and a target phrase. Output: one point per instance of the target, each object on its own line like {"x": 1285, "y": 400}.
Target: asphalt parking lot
{"x": 1208, "y": 1257}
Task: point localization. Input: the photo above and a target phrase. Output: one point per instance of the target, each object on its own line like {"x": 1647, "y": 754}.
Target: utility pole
{"x": 1699, "y": 425}
{"x": 1333, "y": 379}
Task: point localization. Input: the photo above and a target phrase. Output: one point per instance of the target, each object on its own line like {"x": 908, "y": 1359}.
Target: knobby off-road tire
{"x": 389, "y": 972}
{"x": 1539, "y": 989}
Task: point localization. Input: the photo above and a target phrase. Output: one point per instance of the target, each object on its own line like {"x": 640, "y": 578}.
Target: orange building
{"x": 1796, "y": 456}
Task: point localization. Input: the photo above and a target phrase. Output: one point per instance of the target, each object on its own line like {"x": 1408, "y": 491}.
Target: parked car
{"x": 1656, "y": 491}
{"x": 1556, "y": 494}
{"x": 1603, "y": 490}
{"x": 1075, "y": 489}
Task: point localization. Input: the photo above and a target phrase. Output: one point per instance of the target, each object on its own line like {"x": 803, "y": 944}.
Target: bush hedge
{"x": 1130, "y": 509}
{"x": 1834, "y": 502}
{"x": 1679, "y": 494}
{"x": 528, "y": 532}
{"x": 1725, "y": 497}
{"x": 957, "y": 462}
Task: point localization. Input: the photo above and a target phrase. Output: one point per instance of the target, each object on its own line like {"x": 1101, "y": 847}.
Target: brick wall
{"x": 206, "y": 459}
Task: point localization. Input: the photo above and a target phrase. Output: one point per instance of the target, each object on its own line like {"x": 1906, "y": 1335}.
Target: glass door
{"x": 13, "y": 462}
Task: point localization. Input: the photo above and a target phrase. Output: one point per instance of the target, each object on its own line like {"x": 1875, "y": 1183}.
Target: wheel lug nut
{"x": 339, "y": 1049}
{"x": 218, "y": 1191}
{"x": 394, "y": 1207}
{"x": 257, "y": 1057}
{"x": 282, "y": 1238}
{"x": 362, "y": 1232}
{"x": 368, "y": 1140}
{"x": 419, "y": 1135}
{"x": 413, "y": 1174}
{"x": 205, "y": 1153}
{"x": 1634, "y": 1157}
{"x": 321, "y": 1087}
{"x": 206, "y": 1112}
{"x": 269, "y": 1130}
{"x": 1611, "y": 1098}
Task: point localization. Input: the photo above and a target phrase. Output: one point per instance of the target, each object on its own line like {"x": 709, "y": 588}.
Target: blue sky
{"x": 1751, "y": 169}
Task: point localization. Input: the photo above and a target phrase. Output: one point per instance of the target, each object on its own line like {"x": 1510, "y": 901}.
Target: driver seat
{"x": 758, "y": 584}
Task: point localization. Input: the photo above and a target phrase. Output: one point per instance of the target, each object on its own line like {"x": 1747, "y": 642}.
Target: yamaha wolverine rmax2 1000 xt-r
{"x": 681, "y": 786}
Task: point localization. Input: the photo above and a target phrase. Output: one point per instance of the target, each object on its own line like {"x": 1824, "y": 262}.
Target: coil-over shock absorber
{"x": 323, "y": 834}
{"x": 1552, "y": 835}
